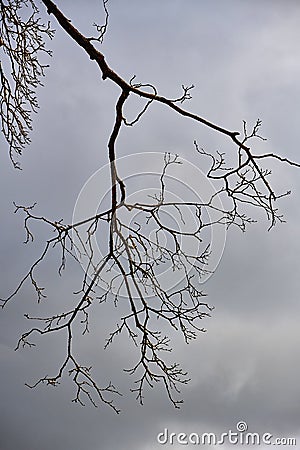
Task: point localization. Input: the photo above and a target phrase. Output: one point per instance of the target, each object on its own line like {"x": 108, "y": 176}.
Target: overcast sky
{"x": 243, "y": 58}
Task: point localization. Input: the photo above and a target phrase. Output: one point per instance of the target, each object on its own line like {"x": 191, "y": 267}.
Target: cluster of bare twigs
{"x": 246, "y": 183}
{"x": 21, "y": 43}
{"x": 131, "y": 270}
{"x": 136, "y": 251}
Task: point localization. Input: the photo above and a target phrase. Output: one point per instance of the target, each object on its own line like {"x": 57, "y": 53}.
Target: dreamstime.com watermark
{"x": 240, "y": 436}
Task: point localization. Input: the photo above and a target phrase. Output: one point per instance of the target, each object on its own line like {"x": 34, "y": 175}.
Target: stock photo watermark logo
{"x": 239, "y": 436}
{"x": 170, "y": 204}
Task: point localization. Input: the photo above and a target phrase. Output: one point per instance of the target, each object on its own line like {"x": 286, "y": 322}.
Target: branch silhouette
{"x": 136, "y": 251}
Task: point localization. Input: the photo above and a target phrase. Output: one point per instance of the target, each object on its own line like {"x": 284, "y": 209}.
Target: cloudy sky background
{"x": 243, "y": 58}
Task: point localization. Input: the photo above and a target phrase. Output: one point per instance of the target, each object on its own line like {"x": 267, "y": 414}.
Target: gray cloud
{"x": 242, "y": 57}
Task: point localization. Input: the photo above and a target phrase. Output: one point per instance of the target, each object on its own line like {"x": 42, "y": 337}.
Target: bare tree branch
{"x": 21, "y": 43}
{"x": 136, "y": 250}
